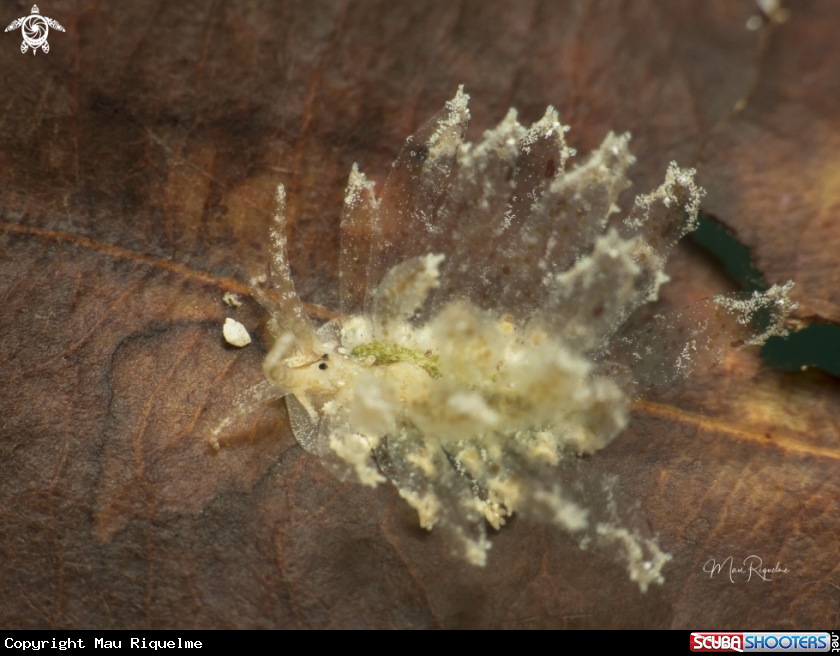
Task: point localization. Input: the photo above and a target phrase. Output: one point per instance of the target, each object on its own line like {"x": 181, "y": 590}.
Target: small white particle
{"x": 235, "y": 333}
{"x": 232, "y": 300}
{"x": 258, "y": 280}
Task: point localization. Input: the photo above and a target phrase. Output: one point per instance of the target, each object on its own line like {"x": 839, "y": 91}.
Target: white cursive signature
{"x": 752, "y": 565}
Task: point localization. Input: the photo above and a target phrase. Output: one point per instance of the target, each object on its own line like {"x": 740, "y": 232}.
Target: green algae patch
{"x": 391, "y": 353}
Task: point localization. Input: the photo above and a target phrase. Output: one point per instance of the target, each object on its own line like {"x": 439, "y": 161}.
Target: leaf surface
{"x": 138, "y": 162}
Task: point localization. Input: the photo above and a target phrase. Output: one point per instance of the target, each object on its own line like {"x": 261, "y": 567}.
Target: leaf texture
{"x": 138, "y": 163}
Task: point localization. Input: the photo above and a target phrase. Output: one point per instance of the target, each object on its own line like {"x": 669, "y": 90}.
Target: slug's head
{"x": 318, "y": 370}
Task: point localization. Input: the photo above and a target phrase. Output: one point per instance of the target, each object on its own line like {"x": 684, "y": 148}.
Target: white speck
{"x": 235, "y": 333}
{"x": 258, "y": 280}
{"x": 231, "y": 299}
{"x": 754, "y": 23}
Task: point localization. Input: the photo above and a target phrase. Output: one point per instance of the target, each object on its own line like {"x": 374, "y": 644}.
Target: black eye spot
{"x": 322, "y": 366}
{"x": 326, "y": 356}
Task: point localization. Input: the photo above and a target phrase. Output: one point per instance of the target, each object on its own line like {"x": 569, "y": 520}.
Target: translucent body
{"x": 481, "y": 346}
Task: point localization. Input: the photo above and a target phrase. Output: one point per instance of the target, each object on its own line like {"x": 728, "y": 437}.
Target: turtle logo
{"x": 35, "y": 29}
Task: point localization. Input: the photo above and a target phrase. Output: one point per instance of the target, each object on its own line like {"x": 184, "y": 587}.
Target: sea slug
{"x": 481, "y": 346}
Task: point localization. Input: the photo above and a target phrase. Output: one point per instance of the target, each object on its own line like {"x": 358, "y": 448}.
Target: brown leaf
{"x": 771, "y": 167}
{"x": 139, "y": 159}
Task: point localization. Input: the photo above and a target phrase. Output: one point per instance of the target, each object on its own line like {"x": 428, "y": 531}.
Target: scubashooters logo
{"x": 35, "y": 29}
{"x": 798, "y": 642}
